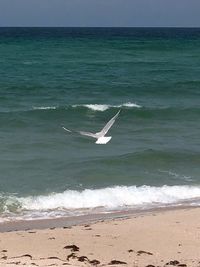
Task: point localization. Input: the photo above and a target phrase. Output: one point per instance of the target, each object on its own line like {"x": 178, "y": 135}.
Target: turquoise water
{"x": 79, "y": 78}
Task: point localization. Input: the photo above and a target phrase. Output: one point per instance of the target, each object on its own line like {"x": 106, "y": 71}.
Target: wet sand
{"x": 156, "y": 238}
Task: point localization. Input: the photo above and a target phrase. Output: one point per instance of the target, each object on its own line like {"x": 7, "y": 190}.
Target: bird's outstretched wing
{"x": 67, "y": 130}
{"x": 108, "y": 125}
{"x": 81, "y": 132}
{"x": 88, "y": 134}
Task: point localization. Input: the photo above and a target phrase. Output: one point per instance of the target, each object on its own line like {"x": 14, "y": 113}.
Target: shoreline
{"x": 59, "y": 222}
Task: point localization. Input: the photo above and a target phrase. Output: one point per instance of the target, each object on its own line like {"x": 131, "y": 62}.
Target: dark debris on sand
{"x": 176, "y": 263}
{"x": 94, "y": 262}
{"x": 72, "y": 255}
{"x": 73, "y": 248}
{"x": 82, "y": 258}
{"x": 116, "y": 262}
{"x": 139, "y": 252}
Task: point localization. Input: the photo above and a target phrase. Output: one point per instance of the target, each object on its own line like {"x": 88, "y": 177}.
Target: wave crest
{"x": 103, "y": 107}
{"x": 44, "y": 108}
{"x": 111, "y": 198}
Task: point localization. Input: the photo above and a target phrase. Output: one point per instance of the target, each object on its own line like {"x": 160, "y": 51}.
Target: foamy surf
{"x": 103, "y": 107}
{"x": 72, "y": 203}
{"x": 111, "y": 198}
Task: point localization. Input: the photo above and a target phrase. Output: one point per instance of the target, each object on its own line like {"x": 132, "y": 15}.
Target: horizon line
{"x": 176, "y": 27}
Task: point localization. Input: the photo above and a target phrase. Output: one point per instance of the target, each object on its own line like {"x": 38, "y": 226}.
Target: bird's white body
{"x": 103, "y": 140}
{"x": 100, "y": 136}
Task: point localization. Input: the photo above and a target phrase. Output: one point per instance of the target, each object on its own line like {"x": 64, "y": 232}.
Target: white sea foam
{"x": 41, "y": 108}
{"x": 94, "y": 107}
{"x": 130, "y": 105}
{"x": 103, "y": 107}
{"x": 97, "y": 107}
{"x": 112, "y": 198}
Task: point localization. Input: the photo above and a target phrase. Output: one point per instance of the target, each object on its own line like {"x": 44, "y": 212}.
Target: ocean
{"x": 80, "y": 78}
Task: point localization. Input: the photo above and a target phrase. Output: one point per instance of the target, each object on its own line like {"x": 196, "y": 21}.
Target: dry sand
{"x": 163, "y": 238}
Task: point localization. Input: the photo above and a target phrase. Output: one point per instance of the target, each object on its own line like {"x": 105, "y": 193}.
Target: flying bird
{"x": 100, "y": 136}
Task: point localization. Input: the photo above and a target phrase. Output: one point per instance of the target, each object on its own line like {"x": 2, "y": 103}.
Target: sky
{"x": 100, "y": 13}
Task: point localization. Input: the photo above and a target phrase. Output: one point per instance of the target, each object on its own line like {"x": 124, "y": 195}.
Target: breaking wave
{"x": 72, "y": 203}
{"x": 112, "y": 197}
{"x": 103, "y": 107}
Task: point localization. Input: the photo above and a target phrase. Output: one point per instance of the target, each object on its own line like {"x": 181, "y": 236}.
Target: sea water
{"x": 79, "y": 78}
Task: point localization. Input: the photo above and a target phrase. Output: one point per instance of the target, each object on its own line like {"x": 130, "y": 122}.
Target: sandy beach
{"x": 160, "y": 238}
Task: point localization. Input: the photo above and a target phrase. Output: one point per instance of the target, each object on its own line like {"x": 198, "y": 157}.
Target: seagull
{"x": 100, "y": 136}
